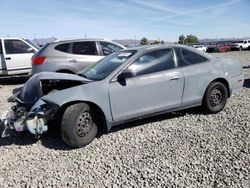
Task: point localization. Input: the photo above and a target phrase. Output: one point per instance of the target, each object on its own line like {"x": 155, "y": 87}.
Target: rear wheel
{"x": 78, "y": 127}
{"x": 215, "y": 98}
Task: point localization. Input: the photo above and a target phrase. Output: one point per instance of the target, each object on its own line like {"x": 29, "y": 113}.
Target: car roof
{"x": 86, "y": 40}
{"x": 12, "y": 38}
{"x": 157, "y": 46}
{"x": 82, "y": 39}
{"x": 147, "y": 48}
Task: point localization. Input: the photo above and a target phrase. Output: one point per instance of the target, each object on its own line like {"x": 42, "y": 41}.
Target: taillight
{"x": 38, "y": 60}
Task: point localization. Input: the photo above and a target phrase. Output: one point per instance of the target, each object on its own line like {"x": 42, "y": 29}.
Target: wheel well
{"x": 65, "y": 71}
{"x": 225, "y": 82}
{"x": 102, "y": 124}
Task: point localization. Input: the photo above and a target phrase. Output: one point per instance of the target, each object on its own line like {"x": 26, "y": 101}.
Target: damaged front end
{"x": 21, "y": 117}
{"x": 29, "y": 111}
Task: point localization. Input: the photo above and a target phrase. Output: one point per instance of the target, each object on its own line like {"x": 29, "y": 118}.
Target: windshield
{"x": 106, "y": 66}
{"x": 31, "y": 43}
{"x": 239, "y": 41}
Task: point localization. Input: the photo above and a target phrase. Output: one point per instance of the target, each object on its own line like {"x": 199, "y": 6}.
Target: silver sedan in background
{"x": 124, "y": 86}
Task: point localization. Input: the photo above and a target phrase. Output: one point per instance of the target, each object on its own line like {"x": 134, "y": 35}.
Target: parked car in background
{"x": 212, "y": 48}
{"x": 127, "y": 85}
{"x": 15, "y": 56}
{"x": 200, "y": 47}
{"x": 223, "y": 47}
{"x": 72, "y": 56}
{"x": 241, "y": 45}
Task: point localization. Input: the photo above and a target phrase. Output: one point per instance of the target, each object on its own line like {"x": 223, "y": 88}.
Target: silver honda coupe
{"x": 126, "y": 85}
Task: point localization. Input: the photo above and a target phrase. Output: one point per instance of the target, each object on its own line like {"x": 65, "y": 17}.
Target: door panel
{"x": 82, "y": 61}
{"x": 197, "y": 78}
{"x": 146, "y": 94}
{"x": 198, "y": 73}
{"x": 16, "y": 56}
{"x": 83, "y": 54}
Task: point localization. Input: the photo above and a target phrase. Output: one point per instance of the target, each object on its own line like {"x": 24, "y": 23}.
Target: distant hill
{"x": 42, "y": 41}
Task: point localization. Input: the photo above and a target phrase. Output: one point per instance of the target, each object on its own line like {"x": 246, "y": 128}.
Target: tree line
{"x": 188, "y": 39}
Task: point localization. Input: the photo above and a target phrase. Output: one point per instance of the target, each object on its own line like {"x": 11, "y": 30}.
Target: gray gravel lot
{"x": 183, "y": 149}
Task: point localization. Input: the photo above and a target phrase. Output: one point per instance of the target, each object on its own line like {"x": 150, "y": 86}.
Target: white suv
{"x": 241, "y": 45}
{"x": 72, "y": 56}
{"x": 15, "y": 56}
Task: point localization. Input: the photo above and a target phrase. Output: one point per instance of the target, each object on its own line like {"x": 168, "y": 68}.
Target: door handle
{"x": 73, "y": 61}
{"x": 175, "y": 78}
{"x": 8, "y": 58}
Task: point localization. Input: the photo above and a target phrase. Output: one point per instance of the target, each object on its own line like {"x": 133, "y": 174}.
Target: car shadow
{"x": 156, "y": 118}
{"x": 52, "y": 138}
{"x": 247, "y": 83}
{"x": 19, "y": 139}
{"x": 13, "y": 80}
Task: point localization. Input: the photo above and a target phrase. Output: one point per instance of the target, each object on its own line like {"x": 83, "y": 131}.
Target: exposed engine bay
{"x": 21, "y": 116}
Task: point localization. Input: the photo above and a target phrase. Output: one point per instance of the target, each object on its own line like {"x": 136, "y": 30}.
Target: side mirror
{"x": 30, "y": 50}
{"x": 125, "y": 75}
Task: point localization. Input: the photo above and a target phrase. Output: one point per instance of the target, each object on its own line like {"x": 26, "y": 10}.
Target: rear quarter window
{"x": 62, "y": 47}
{"x": 186, "y": 57}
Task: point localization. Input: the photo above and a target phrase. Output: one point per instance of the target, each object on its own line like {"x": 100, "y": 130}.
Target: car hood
{"x": 43, "y": 83}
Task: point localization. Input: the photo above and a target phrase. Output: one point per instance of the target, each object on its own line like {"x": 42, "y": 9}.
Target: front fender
{"x": 85, "y": 93}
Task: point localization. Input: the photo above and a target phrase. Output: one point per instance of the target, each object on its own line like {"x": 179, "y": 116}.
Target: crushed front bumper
{"x": 35, "y": 121}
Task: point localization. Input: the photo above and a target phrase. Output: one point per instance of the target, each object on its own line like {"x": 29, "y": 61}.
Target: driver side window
{"x": 152, "y": 62}
{"x": 16, "y": 46}
{"x": 108, "y": 48}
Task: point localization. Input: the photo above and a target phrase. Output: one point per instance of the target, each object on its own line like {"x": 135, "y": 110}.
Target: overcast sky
{"x": 125, "y": 19}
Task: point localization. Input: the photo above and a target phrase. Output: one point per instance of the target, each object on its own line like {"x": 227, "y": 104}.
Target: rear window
{"x": 63, "y": 47}
{"x": 186, "y": 57}
{"x": 239, "y": 41}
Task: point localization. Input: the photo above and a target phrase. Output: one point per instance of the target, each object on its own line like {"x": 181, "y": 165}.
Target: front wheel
{"x": 78, "y": 127}
{"x": 215, "y": 98}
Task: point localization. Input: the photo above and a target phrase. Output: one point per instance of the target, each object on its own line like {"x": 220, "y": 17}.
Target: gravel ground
{"x": 184, "y": 149}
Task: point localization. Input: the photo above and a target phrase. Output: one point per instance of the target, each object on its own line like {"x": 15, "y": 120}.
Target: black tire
{"x": 78, "y": 126}
{"x": 215, "y": 98}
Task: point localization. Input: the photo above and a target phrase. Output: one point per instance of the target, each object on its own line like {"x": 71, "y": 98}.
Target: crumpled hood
{"x": 31, "y": 92}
